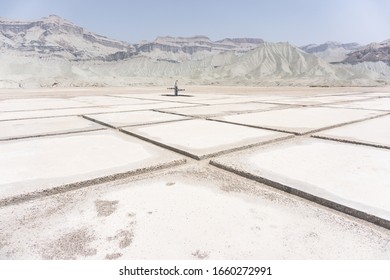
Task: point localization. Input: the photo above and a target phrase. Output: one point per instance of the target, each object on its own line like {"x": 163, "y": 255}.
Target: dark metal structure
{"x": 176, "y": 88}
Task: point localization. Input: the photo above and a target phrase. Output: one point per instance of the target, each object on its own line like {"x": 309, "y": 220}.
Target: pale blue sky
{"x": 298, "y": 22}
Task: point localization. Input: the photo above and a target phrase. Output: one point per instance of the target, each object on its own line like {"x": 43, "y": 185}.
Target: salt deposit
{"x": 374, "y": 132}
{"x": 134, "y": 118}
{"x": 349, "y": 175}
{"x": 70, "y": 193}
{"x": 186, "y": 213}
{"x": 45, "y": 126}
{"x": 375, "y": 104}
{"x": 88, "y": 110}
{"x": 202, "y": 138}
{"x": 320, "y": 100}
{"x": 51, "y": 113}
{"x": 39, "y": 104}
{"x": 300, "y": 120}
{"x": 108, "y": 100}
{"x": 222, "y": 109}
{"x": 38, "y": 164}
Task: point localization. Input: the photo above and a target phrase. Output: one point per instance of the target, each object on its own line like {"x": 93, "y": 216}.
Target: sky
{"x": 299, "y": 22}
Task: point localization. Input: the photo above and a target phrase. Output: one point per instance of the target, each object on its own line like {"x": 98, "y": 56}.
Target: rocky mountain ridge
{"x": 53, "y": 51}
{"x": 313, "y": 48}
{"x": 178, "y": 49}
{"x": 374, "y": 52}
{"x": 54, "y": 36}
{"x": 331, "y": 51}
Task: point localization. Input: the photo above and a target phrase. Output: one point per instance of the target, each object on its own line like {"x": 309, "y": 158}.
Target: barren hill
{"x": 53, "y": 51}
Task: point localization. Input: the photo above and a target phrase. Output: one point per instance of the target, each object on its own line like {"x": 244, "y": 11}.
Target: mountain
{"x": 270, "y": 64}
{"x": 179, "y": 49}
{"x": 284, "y": 64}
{"x": 373, "y": 58}
{"x": 374, "y": 52}
{"x": 331, "y": 51}
{"x": 55, "y": 37}
{"x": 54, "y": 51}
{"x": 376, "y": 70}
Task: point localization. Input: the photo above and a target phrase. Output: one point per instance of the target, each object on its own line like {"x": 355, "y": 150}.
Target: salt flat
{"x": 134, "y": 118}
{"x": 300, "y": 120}
{"x": 231, "y": 100}
{"x": 187, "y": 98}
{"x": 39, "y": 104}
{"x": 35, "y": 165}
{"x": 185, "y": 213}
{"x": 46, "y": 126}
{"x": 203, "y": 138}
{"x": 221, "y": 109}
{"x": 320, "y": 100}
{"x": 353, "y": 176}
{"x": 104, "y": 173}
{"x": 5, "y": 116}
{"x": 109, "y": 100}
{"x": 374, "y": 104}
{"x": 375, "y": 132}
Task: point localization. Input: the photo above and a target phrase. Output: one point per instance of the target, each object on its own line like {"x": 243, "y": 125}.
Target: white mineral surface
{"x": 102, "y": 173}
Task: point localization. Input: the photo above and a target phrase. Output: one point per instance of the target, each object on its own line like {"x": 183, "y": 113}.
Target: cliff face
{"x": 331, "y": 51}
{"x": 351, "y": 53}
{"x": 314, "y": 48}
{"x": 181, "y": 49}
{"x": 371, "y": 53}
{"x": 54, "y": 36}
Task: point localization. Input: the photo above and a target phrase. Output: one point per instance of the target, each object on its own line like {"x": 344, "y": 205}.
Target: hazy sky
{"x": 296, "y": 21}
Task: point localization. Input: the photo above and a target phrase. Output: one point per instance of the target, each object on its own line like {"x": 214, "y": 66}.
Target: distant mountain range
{"x": 351, "y": 53}
{"x": 331, "y": 51}
{"x": 54, "y": 51}
{"x": 54, "y": 36}
{"x": 374, "y": 52}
